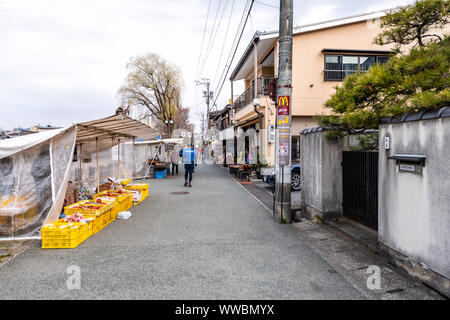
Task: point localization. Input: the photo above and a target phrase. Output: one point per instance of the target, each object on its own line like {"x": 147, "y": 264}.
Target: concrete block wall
{"x": 321, "y": 174}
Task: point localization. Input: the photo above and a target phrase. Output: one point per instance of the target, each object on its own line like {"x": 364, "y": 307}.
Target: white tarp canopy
{"x": 163, "y": 141}
{"x": 35, "y": 169}
{"x": 117, "y": 126}
{"x": 14, "y": 145}
{"x": 34, "y": 173}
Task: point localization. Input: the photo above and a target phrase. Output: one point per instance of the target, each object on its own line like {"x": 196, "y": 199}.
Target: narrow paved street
{"x": 217, "y": 242}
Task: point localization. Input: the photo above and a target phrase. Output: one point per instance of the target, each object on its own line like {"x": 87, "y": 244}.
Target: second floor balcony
{"x": 249, "y": 94}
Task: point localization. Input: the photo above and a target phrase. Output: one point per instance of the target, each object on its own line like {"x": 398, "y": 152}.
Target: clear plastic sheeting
{"x": 86, "y": 163}
{"x": 33, "y": 183}
{"x": 126, "y": 165}
{"x": 141, "y": 154}
{"x": 111, "y": 162}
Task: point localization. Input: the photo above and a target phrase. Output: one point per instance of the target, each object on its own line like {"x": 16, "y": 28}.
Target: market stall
{"x": 35, "y": 172}
{"x": 152, "y": 156}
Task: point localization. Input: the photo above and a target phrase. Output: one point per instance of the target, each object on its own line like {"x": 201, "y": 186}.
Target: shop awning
{"x": 117, "y": 126}
{"x": 248, "y": 122}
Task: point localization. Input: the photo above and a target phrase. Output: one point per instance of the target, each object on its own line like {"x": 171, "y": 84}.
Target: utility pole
{"x": 282, "y": 206}
{"x": 208, "y": 95}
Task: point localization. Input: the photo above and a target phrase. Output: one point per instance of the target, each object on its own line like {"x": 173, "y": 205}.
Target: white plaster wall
{"x": 414, "y": 210}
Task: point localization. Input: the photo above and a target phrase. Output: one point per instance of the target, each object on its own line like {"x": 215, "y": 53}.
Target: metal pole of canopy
{"x": 98, "y": 172}
{"x": 134, "y": 162}
{"x": 118, "y": 160}
{"x": 80, "y": 175}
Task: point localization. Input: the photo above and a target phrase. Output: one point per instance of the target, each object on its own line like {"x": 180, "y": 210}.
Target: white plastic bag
{"x": 124, "y": 215}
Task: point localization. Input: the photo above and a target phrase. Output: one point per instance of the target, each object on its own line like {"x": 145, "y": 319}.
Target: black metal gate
{"x": 360, "y": 187}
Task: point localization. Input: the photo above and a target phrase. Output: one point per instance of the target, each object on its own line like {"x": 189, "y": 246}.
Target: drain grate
{"x": 179, "y": 193}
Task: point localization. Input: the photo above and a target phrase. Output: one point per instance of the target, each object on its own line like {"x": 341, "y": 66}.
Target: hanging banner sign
{"x": 283, "y": 105}
{"x": 284, "y": 146}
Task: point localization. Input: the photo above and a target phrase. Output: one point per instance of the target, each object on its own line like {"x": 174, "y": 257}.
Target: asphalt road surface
{"x": 217, "y": 242}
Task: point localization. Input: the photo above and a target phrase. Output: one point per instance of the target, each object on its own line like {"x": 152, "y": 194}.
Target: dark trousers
{"x": 174, "y": 166}
{"x": 186, "y": 174}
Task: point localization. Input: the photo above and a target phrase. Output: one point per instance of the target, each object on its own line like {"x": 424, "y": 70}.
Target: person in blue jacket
{"x": 189, "y": 156}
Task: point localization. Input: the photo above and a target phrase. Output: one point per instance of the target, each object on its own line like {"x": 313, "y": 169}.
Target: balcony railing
{"x": 248, "y": 96}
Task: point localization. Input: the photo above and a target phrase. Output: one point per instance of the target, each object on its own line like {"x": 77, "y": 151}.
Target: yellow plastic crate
{"x": 124, "y": 181}
{"x": 127, "y": 203}
{"x": 115, "y": 211}
{"x": 80, "y": 207}
{"x": 108, "y": 217}
{"x": 120, "y": 197}
{"x": 62, "y": 244}
{"x": 65, "y": 234}
{"x": 144, "y": 195}
{"x": 124, "y": 200}
{"x": 115, "y": 205}
{"x": 100, "y": 221}
{"x": 137, "y": 186}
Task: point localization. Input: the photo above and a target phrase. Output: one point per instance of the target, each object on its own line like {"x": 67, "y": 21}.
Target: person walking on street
{"x": 175, "y": 159}
{"x": 188, "y": 155}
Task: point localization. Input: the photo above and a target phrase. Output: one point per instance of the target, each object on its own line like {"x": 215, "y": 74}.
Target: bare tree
{"x": 181, "y": 120}
{"x": 155, "y": 84}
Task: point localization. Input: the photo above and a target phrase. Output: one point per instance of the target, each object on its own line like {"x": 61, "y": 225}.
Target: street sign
{"x": 283, "y": 105}
{"x": 284, "y": 139}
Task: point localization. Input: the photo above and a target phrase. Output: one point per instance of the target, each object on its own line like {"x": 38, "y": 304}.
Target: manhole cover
{"x": 332, "y": 271}
{"x": 179, "y": 193}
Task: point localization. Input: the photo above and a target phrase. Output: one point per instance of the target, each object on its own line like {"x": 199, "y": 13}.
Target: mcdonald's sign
{"x": 283, "y": 105}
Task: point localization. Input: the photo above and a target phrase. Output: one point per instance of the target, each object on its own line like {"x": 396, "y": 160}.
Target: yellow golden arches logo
{"x": 283, "y": 101}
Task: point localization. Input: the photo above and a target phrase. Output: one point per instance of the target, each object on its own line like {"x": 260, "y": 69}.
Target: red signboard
{"x": 283, "y": 105}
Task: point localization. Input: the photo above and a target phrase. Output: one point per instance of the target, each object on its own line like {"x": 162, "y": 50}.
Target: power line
{"x": 234, "y": 43}
{"x": 235, "y": 50}
{"x": 251, "y": 24}
{"x": 267, "y": 5}
{"x": 214, "y": 38}
{"x": 203, "y": 39}
{"x": 224, "y": 41}
{"x": 210, "y": 37}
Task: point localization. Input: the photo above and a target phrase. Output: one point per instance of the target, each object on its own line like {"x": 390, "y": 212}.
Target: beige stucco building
{"x": 323, "y": 54}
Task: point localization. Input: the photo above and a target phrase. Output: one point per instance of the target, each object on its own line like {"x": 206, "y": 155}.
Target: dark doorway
{"x": 360, "y": 187}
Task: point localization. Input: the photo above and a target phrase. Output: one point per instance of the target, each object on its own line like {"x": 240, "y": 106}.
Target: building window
{"x": 295, "y": 148}
{"x": 337, "y": 67}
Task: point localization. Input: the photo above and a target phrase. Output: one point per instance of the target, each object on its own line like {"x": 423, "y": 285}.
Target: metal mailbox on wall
{"x": 410, "y": 163}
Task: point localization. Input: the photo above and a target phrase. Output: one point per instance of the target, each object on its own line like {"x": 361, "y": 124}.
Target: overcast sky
{"x": 62, "y": 61}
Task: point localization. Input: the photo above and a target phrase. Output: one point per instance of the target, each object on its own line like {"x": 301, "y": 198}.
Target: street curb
{"x": 25, "y": 248}
{"x": 369, "y": 246}
{"x": 254, "y": 197}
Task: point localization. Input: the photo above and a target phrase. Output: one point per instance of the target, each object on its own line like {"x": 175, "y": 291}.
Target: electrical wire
{"x": 224, "y": 42}
{"x": 215, "y": 35}
{"x": 266, "y": 4}
{"x": 233, "y": 44}
{"x": 235, "y": 50}
{"x": 210, "y": 38}
{"x": 251, "y": 25}
{"x": 203, "y": 39}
